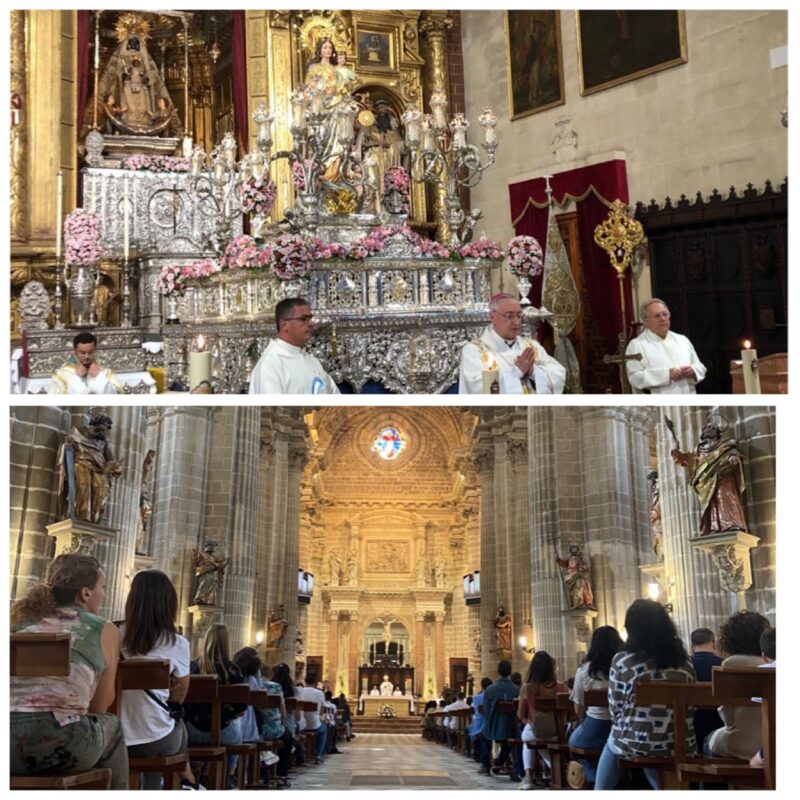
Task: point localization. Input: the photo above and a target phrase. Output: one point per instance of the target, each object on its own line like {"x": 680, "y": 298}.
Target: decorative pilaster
{"x": 419, "y": 653}
{"x": 440, "y": 654}
{"x": 18, "y": 164}
{"x": 434, "y": 27}
{"x": 331, "y": 669}
{"x": 355, "y": 652}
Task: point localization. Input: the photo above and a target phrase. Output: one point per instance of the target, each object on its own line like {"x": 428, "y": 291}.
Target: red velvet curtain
{"x": 239, "y": 79}
{"x": 84, "y": 74}
{"x": 609, "y": 180}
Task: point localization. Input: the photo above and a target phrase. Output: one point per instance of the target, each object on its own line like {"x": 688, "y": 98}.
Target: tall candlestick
{"x": 59, "y": 210}
{"x": 126, "y": 218}
{"x": 752, "y": 381}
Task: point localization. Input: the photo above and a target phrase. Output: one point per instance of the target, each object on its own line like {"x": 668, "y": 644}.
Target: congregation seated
{"x": 540, "y": 683}
{"x": 346, "y": 716}
{"x": 294, "y": 722}
{"x": 655, "y": 652}
{"x": 478, "y": 721}
{"x": 265, "y": 725}
{"x": 215, "y": 659}
{"x": 594, "y": 722}
{"x": 60, "y": 723}
{"x": 329, "y": 718}
{"x": 740, "y": 735}
{"x": 308, "y": 693}
{"x": 451, "y": 722}
{"x": 499, "y": 726}
{"x": 704, "y": 658}
{"x": 149, "y": 632}
{"x": 428, "y": 721}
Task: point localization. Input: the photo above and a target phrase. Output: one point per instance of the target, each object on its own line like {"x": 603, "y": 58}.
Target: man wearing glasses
{"x": 284, "y": 367}
{"x": 669, "y": 364}
{"x": 504, "y": 362}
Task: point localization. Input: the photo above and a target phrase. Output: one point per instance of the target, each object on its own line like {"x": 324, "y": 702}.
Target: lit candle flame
{"x": 201, "y": 343}
{"x": 747, "y": 344}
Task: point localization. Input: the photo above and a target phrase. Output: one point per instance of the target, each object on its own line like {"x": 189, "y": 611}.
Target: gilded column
{"x": 434, "y": 27}
{"x": 440, "y": 665}
{"x": 419, "y": 653}
{"x": 279, "y": 66}
{"x": 19, "y": 128}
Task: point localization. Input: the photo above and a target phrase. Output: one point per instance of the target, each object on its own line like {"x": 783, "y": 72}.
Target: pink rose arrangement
{"x": 157, "y": 163}
{"x": 82, "y": 241}
{"x": 242, "y": 253}
{"x": 324, "y": 251}
{"x": 170, "y": 280}
{"x": 257, "y": 195}
{"x": 481, "y": 248}
{"x": 525, "y": 257}
{"x": 396, "y": 179}
{"x": 290, "y": 257}
{"x": 195, "y": 270}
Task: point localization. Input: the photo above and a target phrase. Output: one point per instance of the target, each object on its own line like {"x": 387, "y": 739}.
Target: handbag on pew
{"x": 175, "y": 710}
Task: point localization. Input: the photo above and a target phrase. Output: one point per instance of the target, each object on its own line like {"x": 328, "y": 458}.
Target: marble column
{"x": 434, "y": 27}
{"x": 419, "y": 652}
{"x": 355, "y": 654}
{"x": 36, "y": 434}
{"x": 482, "y": 457}
{"x": 18, "y": 163}
{"x": 441, "y": 666}
{"x": 331, "y": 668}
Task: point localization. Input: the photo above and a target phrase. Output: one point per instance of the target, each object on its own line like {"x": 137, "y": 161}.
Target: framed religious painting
{"x": 375, "y": 50}
{"x": 619, "y": 46}
{"x": 534, "y": 67}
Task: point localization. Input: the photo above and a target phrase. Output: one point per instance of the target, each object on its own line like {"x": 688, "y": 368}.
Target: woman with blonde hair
{"x": 215, "y": 659}
{"x": 59, "y": 723}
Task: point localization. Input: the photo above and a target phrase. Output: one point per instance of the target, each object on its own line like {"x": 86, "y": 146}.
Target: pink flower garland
{"x": 290, "y": 257}
{"x": 481, "y": 248}
{"x": 525, "y": 257}
{"x": 241, "y": 253}
{"x": 157, "y": 163}
{"x": 82, "y": 242}
{"x": 257, "y": 196}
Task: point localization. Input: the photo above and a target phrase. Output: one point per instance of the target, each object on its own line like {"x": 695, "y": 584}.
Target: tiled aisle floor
{"x": 395, "y": 761}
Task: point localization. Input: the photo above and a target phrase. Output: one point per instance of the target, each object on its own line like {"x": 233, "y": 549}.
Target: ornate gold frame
{"x": 674, "y": 62}
{"x": 560, "y": 57}
{"x": 389, "y": 32}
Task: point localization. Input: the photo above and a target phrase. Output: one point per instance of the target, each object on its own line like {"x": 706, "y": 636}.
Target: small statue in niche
{"x": 577, "y": 572}
{"x": 145, "y": 500}
{"x": 335, "y": 565}
{"x": 278, "y": 625}
{"x": 502, "y": 628}
{"x": 209, "y": 570}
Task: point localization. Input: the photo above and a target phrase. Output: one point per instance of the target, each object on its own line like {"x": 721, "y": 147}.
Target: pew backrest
{"x": 37, "y": 655}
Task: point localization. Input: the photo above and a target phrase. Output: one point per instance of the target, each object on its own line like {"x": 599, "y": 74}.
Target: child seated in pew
{"x": 215, "y": 659}
{"x": 594, "y": 722}
{"x": 149, "y": 632}
{"x": 540, "y": 682}
{"x": 60, "y": 724}
{"x": 265, "y": 724}
{"x": 740, "y": 642}
{"x": 653, "y": 651}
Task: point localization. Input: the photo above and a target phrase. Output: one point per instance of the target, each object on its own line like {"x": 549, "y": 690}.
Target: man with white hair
{"x": 502, "y": 361}
{"x": 669, "y": 364}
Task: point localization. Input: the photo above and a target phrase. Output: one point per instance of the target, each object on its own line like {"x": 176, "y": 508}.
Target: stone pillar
{"x": 122, "y": 512}
{"x": 36, "y": 433}
{"x": 179, "y": 488}
{"x": 433, "y": 28}
{"x": 331, "y": 667}
{"x": 355, "y": 654}
{"x": 441, "y": 670}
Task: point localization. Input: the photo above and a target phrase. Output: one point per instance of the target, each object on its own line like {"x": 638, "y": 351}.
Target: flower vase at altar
{"x": 81, "y": 293}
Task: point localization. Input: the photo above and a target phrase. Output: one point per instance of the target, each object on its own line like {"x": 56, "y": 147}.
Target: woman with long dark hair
{"x": 540, "y": 682}
{"x": 294, "y": 722}
{"x": 595, "y": 721}
{"x": 149, "y": 631}
{"x": 60, "y": 723}
{"x": 653, "y": 652}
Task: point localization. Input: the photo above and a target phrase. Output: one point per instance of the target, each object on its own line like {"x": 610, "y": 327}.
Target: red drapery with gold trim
{"x": 239, "y": 79}
{"x": 592, "y": 188}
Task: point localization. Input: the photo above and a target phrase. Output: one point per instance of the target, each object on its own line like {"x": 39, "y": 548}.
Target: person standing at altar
{"x": 81, "y": 374}
{"x": 387, "y": 687}
{"x": 502, "y": 361}
{"x": 284, "y": 367}
{"x": 669, "y": 364}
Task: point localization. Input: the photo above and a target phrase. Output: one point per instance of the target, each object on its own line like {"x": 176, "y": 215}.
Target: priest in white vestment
{"x": 81, "y": 374}
{"x": 502, "y": 361}
{"x": 669, "y": 364}
{"x": 284, "y": 367}
{"x": 387, "y": 687}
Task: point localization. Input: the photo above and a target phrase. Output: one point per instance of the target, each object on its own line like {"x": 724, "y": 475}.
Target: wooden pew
{"x": 734, "y": 686}
{"x": 260, "y": 700}
{"x": 36, "y": 655}
{"x": 597, "y": 698}
{"x": 238, "y": 693}
{"x": 204, "y": 689}
{"x": 509, "y": 708}
{"x": 463, "y": 718}
{"x": 679, "y": 696}
{"x": 147, "y": 673}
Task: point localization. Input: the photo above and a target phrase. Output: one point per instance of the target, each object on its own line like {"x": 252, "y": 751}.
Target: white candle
{"x": 199, "y": 365}
{"x": 59, "y": 210}
{"x": 126, "y": 217}
{"x": 752, "y": 382}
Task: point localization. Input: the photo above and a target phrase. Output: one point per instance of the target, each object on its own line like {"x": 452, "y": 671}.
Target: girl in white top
{"x": 149, "y": 632}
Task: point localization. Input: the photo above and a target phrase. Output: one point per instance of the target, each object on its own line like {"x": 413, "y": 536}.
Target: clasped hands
{"x": 678, "y": 373}
{"x": 92, "y": 370}
{"x": 526, "y": 361}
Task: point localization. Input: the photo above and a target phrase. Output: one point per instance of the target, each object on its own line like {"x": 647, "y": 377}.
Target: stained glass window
{"x": 389, "y": 444}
